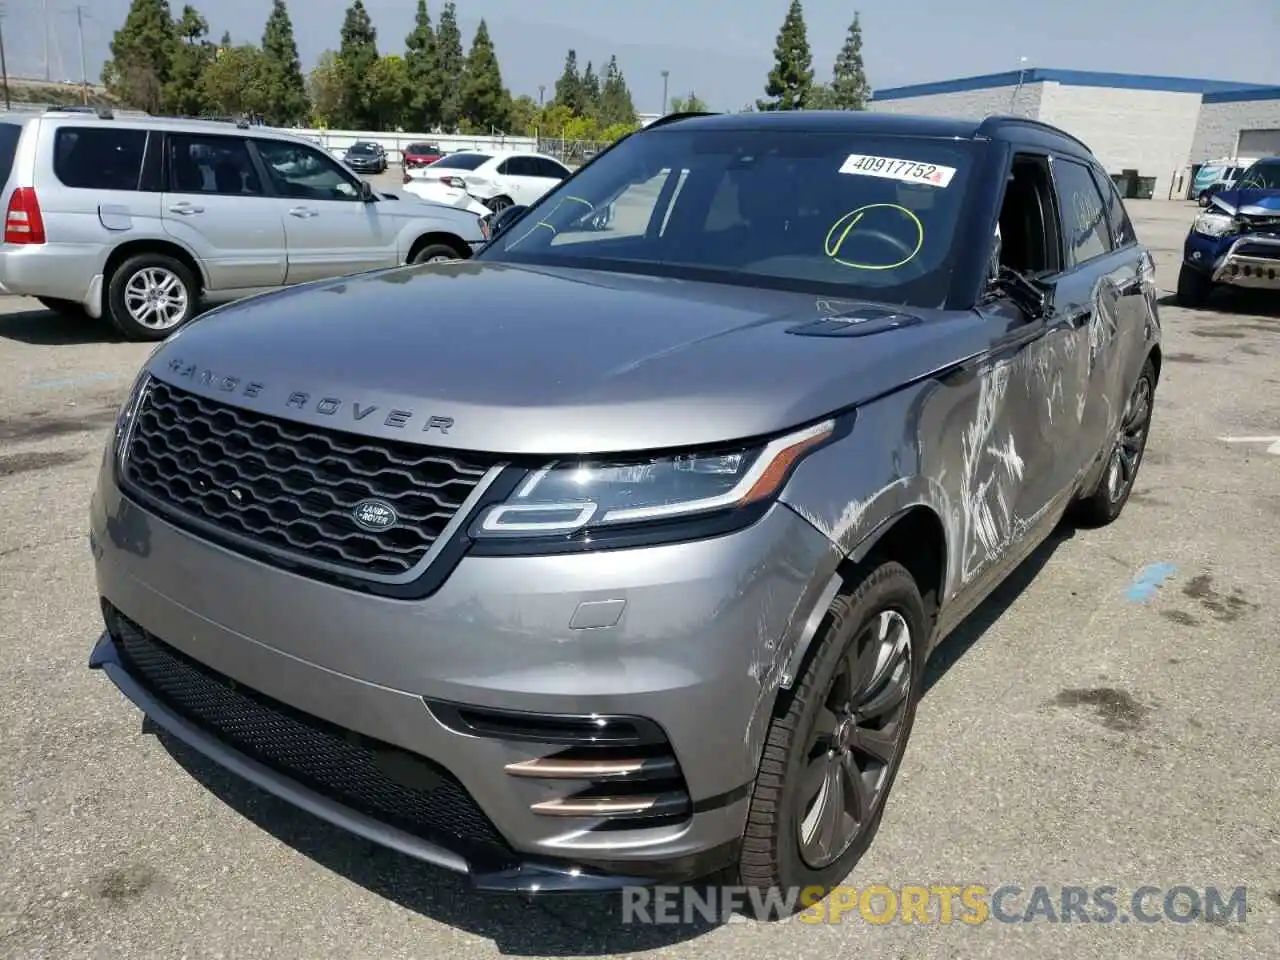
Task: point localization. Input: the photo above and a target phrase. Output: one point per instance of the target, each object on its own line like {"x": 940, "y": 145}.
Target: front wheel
{"x": 1194, "y": 287}
{"x": 150, "y": 295}
{"x": 833, "y": 751}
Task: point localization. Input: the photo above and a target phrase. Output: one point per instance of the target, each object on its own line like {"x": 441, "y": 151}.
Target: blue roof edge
{"x": 1222, "y": 91}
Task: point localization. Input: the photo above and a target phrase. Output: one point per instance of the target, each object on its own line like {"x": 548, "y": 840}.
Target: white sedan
{"x": 485, "y": 182}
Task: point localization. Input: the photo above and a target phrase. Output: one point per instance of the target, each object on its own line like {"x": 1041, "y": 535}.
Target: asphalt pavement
{"x": 1110, "y": 717}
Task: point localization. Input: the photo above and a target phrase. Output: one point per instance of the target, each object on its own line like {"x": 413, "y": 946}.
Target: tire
{"x": 71, "y": 309}
{"x": 1124, "y": 456}
{"x": 131, "y": 280}
{"x": 435, "y": 253}
{"x": 772, "y": 849}
{"x": 498, "y": 204}
{"x": 1194, "y": 287}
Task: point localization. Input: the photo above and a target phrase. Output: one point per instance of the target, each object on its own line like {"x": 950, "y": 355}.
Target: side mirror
{"x": 499, "y": 222}
{"x": 366, "y": 192}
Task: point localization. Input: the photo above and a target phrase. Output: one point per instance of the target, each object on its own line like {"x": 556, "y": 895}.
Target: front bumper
{"x": 1250, "y": 260}
{"x": 486, "y": 682}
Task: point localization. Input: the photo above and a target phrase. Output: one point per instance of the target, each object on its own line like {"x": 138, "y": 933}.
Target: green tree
{"x": 552, "y": 121}
{"x": 590, "y": 91}
{"x": 616, "y": 105}
{"x": 484, "y": 102}
{"x": 284, "y": 92}
{"x": 426, "y": 93}
{"x": 450, "y": 65}
{"x": 791, "y": 79}
{"x": 689, "y": 104}
{"x": 388, "y": 92}
{"x": 358, "y": 54}
{"x": 324, "y": 89}
{"x": 849, "y": 87}
{"x": 569, "y": 91}
{"x": 142, "y": 52}
{"x": 232, "y": 82}
{"x": 191, "y": 56}
{"x": 523, "y": 121}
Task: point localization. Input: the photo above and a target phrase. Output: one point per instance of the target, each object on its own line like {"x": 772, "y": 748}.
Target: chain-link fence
{"x": 571, "y": 153}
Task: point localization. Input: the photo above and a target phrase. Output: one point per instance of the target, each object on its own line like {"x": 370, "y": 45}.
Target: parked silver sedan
{"x": 139, "y": 219}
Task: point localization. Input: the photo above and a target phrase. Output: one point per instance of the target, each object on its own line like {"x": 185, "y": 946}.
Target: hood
{"x": 532, "y": 360}
{"x": 1251, "y": 202}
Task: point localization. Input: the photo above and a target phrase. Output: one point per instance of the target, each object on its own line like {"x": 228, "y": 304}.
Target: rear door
{"x": 1096, "y": 288}
{"x": 520, "y": 177}
{"x": 329, "y": 228}
{"x": 216, "y": 205}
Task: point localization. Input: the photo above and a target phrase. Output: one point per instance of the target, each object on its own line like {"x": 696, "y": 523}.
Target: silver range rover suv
{"x": 615, "y": 553}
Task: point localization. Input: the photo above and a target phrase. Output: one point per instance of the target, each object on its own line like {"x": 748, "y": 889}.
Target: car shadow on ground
{"x": 44, "y": 328}
{"x": 560, "y": 925}
{"x": 1236, "y": 303}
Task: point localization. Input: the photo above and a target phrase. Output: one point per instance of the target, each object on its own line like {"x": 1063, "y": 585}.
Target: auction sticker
{"x": 892, "y": 168}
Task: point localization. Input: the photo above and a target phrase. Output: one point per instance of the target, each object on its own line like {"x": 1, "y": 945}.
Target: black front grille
{"x": 380, "y": 781}
{"x": 1264, "y": 251}
{"x": 294, "y": 487}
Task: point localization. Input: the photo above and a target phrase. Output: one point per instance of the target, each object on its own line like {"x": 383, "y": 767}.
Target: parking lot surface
{"x": 1109, "y": 718}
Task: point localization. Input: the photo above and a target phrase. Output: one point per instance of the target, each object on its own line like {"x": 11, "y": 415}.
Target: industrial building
{"x": 1151, "y": 133}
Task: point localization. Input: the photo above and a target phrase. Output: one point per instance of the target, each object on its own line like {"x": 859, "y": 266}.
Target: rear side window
{"x": 9, "y": 135}
{"x": 462, "y": 161}
{"x": 99, "y": 158}
{"x": 1084, "y": 219}
{"x": 211, "y": 165}
{"x": 1121, "y": 226}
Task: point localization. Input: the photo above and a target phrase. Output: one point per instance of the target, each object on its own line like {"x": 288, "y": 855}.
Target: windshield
{"x": 822, "y": 211}
{"x": 362, "y": 148}
{"x": 421, "y": 148}
{"x": 1263, "y": 175}
{"x": 462, "y": 161}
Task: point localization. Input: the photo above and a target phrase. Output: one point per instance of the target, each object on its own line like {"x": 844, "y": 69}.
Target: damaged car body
{"x": 1235, "y": 241}
{"x": 615, "y": 556}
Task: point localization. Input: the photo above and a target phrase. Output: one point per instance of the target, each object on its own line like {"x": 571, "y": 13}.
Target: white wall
{"x": 339, "y": 140}
{"x": 969, "y": 104}
{"x": 1220, "y": 125}
{"x": 1151, "y": 131}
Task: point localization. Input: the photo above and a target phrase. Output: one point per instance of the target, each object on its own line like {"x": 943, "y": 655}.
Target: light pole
{"x": 1022, "y": 69}
{"x": 665, "y": 103}
{"x": 542, "y": 88}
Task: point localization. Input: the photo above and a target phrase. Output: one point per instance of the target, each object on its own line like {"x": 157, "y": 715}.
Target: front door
{"x": 330, "y": 229}
{"x": 215, "y": 204}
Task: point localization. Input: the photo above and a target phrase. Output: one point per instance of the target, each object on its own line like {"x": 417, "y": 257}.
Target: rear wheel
{"x": 1194, "y": 287}
{"x": 63, "y": 308}
{"x": 498, "y": 204}
{"x": 1124, "y": 457}
{"x": 435, "y": 253}
{"x": 150, "y": 295}
{"x": 832, "y": 755}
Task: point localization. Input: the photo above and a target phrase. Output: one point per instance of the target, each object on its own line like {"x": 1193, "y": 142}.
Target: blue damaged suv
{"x": 1235, "y": 242}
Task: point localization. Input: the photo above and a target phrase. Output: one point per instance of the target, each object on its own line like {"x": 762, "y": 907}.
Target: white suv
{"x": 139, "y": 219}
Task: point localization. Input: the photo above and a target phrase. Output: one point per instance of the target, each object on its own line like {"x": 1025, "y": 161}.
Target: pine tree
{"x": 569, "y": 86}
{"x": 324, "y": 89}
{"x": 358, "y": 54}
{"x": 616, "y": 105}
{"x": 449, "y": 66}
{"x": 142, "y": 53}
{"x": 284, "y": 92}
{"x": 849, "y": 87}
{"x": 791, "y": 78}
{"x": 484, "y": 101}
{"x": 192, "y": 54}
{"x": 590, "y": 91}
{"x": 422, "y": 69}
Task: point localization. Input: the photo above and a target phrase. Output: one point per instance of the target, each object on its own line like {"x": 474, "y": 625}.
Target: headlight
{"x": 582, "y": 497}
{"x": 1213, "y": 224}
{"x": 124, "y": 419}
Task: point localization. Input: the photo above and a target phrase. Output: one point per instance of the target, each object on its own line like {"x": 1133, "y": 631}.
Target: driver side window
{"x": 303, "y": 173}
{"x": 1029, "y": 237}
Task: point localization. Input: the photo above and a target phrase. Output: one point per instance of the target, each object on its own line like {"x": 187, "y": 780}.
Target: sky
{"x": 722, "y": 49}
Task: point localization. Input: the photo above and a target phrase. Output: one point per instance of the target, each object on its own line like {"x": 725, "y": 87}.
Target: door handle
{"x": 1128, "y": 286}
{"x": 1080, "y": 317}
{"x": 185, "y": 209}
{"x": 301, "y": 212}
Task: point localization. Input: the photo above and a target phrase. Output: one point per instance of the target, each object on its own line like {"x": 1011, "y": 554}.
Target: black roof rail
{"x": 673, "y": 117}
{"x": 999, "y": 120}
